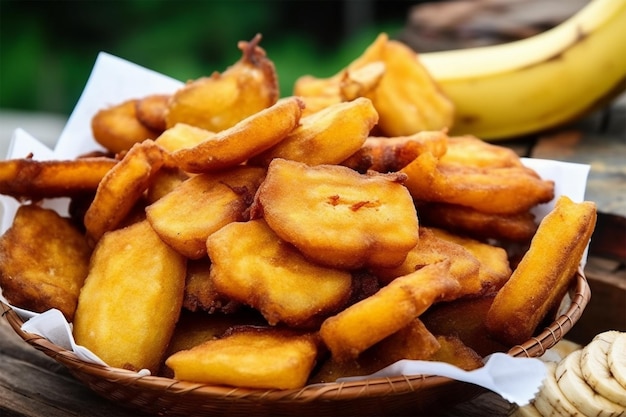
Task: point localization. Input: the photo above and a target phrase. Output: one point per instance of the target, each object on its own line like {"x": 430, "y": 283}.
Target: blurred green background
{"x": 47, "y": 48}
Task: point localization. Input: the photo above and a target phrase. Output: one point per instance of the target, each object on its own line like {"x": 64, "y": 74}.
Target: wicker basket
{"x": 413, "y": 395}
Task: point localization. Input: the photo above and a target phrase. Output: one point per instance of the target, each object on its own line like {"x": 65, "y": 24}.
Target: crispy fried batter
{"x": 252, "y": 265}
{"x": 214, "y": 199}
{"x": 200, "y": 292}
{"x": 360, "y": 326}
{"x": 122, "y": 187}
{"x": 256, "y": 357}
{"x": 507, "y": 190}
{"x": 249, "y": 137}
{"x": 542, "y": 277}
{"x": 222, "y": 100}
{"x": 30, "y": 179}
{"x": 464, "y": 267}
{"x": 340, "y": 218}
{"x": 151, "y": 111}
{"x": 515, "y": 227}
{"x": 44, "y": 260}
{"x": 326, "y": 137}
{"x": 118, "y": 129}
{"x": 131, "y": 299}
{"x": 384, "y": 154}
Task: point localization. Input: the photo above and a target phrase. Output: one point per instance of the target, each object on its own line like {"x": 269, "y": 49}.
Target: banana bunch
{"x": 590, "y": 381}
{"x": 527, "y": 86}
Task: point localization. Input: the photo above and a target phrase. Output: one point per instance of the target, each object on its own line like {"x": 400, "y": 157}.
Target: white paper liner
{"x": 113, "y": 80}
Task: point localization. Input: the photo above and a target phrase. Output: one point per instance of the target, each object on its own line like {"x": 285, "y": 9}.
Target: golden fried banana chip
{"x": 464, "y": 267}
{"x": 118, "y": 129}
{"x": 182, "y": 136}
{"x": 495, "y": 268}
{"x": 164, "y": 180}
{"x": 413, "y": 342}
{"x": 249, "y": 137}
{"x": 326, "y": 137}
{"x": 515, "y": 227}
{"x": 201, "y": 205}
{"x": 543, "y": 275}
{"x": 44, "y": 260}
{"x": 505, "y": 190}
{"x": 151, "y": 111}
{"x": 393, "y": 307}
{"x": 384, "y": 154}
{"x": 131, "y": 300}
{"x": 252, "y": 265}
{"x": 406, "y": 97}
{"x": 122, "y": 187}
{"x": 472, "y": 151}
{"x": 255, "y": 357}
{"x": 338, "y": 217}
{"x": 30, "y": 179}
{"x": 222, "y": 100}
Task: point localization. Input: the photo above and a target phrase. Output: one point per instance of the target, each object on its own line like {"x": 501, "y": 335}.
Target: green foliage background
{"x": 47, "y": 48}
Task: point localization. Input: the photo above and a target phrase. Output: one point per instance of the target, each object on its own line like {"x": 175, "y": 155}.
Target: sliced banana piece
{"x": 582, "y": 396}
{"x": 595, "y": 370}
{"x": 528, "y": 410}
{"x": 551, "y": 401}
{"x": 616, "y": 357}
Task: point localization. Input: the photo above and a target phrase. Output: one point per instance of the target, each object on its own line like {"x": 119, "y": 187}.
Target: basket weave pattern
{"x": 415, "y": 394}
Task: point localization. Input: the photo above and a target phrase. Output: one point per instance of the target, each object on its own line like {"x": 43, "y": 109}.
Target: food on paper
{"x": 31, "y": 179}
{"x": 543, "y": 275}
{"x": 303, "y": 224}
{"x": 44, "y": 259}
{"x": 131, "y": 299}
{"x": 257, "y": 357}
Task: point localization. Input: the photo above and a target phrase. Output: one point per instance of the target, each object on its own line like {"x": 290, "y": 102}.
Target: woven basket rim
{"x": 579, "y": 293}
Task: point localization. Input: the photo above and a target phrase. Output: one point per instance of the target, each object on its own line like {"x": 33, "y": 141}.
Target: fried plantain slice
{"x": 222, "y": 100}
{"x": 464, "y": 267}
{"x": 252, "y": 265}
{"x": 507, "y": 190}
{"x": 214, "y": 199}
{"x": 389, "y": 310}
{"x": 181, "y": 136}
{"x": 339, "y": 218}
{"x": 30, "y": 179}
{"x": 414, "y": 342}
{"x": 514, "y": 227}
{"x": 383, "y": 154}
{"x": 469, "y": 150}
{"x": 151, "y": 111}
{"x": 248, "y": 356}
{"x": 542, "y": 277}
{"x": 118, "y": 129}
{"x": 131, "y": 300}
{"x": 495, "y": 268}
{"x": 122, "y": 187}
{"x": 326, "y": 137}
{"x": 249, "y": 137}
{"x": 44, "y": 260}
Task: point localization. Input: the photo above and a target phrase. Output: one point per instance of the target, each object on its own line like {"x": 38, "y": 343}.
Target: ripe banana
{"x": 579, "y": 393}
{"x": 595, "y": 368}
{"x": 551, "y": 401}
{"x": 531, "y": 85}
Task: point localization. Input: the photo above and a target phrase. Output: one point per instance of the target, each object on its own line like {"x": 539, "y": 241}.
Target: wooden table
{"x": 33, "y": 385}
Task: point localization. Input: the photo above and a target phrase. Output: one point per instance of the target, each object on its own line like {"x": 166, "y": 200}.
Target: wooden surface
{"x": 33, "y": 385}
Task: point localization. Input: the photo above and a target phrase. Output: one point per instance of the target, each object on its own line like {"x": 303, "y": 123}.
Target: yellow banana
{"x": 531, "y": 85}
